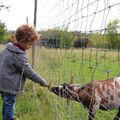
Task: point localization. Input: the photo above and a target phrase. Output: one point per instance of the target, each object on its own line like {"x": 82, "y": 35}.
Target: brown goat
{"x": 104, "y": 95}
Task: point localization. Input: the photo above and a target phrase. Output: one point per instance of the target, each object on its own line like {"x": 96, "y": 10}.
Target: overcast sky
{"x": 20, "y": 9}
{"x": 54, "y": 12}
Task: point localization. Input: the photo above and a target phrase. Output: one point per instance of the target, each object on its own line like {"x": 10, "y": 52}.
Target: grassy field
{"x": 58, "y": 66}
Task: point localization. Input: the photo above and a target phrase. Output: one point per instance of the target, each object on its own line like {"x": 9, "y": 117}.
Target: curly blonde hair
{"x": 26, "y": 33}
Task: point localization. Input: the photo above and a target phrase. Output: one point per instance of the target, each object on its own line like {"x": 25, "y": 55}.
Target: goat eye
{"x": 82, "y": 88}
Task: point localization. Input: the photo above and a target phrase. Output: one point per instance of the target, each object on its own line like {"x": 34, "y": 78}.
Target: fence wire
{"x": 84, "y": 64}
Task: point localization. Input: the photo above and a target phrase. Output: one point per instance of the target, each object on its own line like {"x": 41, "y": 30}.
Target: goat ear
{"x": 71, "y": 81}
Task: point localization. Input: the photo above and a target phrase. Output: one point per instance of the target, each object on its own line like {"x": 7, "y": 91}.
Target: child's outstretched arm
{"x": 23, "y": 65}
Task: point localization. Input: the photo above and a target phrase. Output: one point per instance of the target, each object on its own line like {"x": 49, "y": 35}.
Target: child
{"x": 14, "y": 68}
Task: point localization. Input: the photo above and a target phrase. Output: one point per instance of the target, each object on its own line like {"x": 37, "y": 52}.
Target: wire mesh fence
{"x": 59, "y": 60}
{"x": 84, "y": 65}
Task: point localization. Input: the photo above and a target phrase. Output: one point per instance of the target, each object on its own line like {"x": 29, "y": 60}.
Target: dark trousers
{"x": 8, "y": 106}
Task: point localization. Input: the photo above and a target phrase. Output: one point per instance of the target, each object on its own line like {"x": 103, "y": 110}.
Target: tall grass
{"x": 58, "y": 66}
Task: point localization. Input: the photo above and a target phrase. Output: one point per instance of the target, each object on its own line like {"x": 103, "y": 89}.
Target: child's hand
{"x": 47, "y": 85}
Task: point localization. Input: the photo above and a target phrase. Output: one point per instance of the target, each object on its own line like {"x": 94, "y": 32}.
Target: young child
{"x": 14, "y": 68}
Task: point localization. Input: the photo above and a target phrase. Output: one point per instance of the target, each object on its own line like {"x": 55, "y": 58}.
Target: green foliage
{"x": 95, "y": 37}
{"x": 2, "y": 31}
{"x": 66, "y": 39}
{"x": 63, "y": 38}
{"x": 99, "y": 40}
{"x": 112, "y": 33}
{"x": 58, "y": 38}
{"x": 109, "y": 38}
{"x": 5, "y": 36}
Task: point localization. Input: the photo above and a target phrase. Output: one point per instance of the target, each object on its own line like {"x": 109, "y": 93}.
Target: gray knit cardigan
{"x": 14, "y": 68}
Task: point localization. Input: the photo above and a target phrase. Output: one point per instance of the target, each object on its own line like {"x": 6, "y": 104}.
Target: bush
{"x": 81, "y": 42}
{"x": 2, "y": 31}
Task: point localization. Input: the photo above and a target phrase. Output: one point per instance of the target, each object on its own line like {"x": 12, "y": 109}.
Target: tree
{"x": 112, "y": 33}
{"x": 2, "y": 6}
{"x": 66, "y": 39}
{"x": 81, "y": 42}
{"x": 57, "y": 38}
{"x": 2, "y": 31}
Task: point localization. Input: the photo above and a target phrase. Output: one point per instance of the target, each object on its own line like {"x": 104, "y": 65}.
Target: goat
{"x": 104, "y": 95}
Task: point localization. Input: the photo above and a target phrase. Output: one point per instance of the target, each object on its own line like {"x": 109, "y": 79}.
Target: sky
{"x": 22, "y": 9}
{"x": 55, "y": 13}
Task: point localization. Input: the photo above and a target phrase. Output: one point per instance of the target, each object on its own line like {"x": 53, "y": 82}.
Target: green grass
{"x": 58, "y": 66}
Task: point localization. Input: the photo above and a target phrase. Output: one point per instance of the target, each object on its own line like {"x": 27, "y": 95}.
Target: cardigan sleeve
{"x": 22, "y": 64}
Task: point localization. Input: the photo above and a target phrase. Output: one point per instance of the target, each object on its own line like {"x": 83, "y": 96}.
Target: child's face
{"x": 25, "y": 45}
